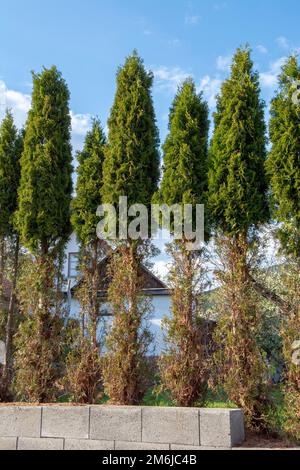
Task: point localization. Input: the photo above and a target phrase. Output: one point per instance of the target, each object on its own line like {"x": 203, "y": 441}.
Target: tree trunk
{"x": 2, "y": 265}
{"x": 95, "y": 300}
{"x": 11, "y": 316}
{"x": 283, "y": 305}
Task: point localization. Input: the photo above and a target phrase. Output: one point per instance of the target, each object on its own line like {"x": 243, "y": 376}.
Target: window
{"x": 73, "y": 264}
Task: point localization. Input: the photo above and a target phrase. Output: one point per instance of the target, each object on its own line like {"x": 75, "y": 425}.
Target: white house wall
{"x": 161, "y": 303}
{"x": 161, "y": 309}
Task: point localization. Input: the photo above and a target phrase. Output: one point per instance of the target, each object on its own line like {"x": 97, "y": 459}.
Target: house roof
{"x": 152, "y": 285}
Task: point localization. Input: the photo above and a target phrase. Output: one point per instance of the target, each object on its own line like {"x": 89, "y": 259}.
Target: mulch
{"x": 258, "y": 441}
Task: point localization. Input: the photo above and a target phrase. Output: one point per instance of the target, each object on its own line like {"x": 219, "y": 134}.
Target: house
{"x": 153, "y": 287}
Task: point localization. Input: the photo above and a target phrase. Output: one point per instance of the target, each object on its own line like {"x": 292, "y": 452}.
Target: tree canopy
{"x": 89, "y": 182}
{"x": 283, "y": 163}
{"x": 131, "y": 164}
{"x": 43, "y": 216}
{"x": 237, "y": 180}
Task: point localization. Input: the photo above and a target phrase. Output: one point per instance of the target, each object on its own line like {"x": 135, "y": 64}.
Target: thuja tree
{"x": 43, "y": 222}
{"x": 131, "y": 168}
{"x": 183, "y": 367}
{"x": 283, "y": 166}
{"x": 83, "y": 362}
{"x": 238, "y": 205}
{"x": 11, "y": 143}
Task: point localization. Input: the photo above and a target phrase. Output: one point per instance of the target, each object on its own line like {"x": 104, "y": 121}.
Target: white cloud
{"x": 19, "y": 103}
{"x": 269, "y": 79}
{"x": 224, "y": 62}
{"x": 287, "y": 45}
{"x": 168, "y": 78}
{"x": 262, "y": 49}
{"x": 192, "y": 19}
{"x": 161, "y": 268}
{"x": 81, "y": 123}
{"x": 174, "y": 42}
{"x": 283, "y": 42}
{"x": 220, "y": 6}
{"x": 156, "y": 321}
{"x": 210, "y": 88}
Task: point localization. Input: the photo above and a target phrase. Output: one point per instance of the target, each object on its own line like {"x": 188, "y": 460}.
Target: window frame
{"x": 70, "y": 276}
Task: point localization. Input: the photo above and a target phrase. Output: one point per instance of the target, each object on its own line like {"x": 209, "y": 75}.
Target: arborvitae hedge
{"x": 185, "y": 149}
{"x": 131, "y": 165}
{"x": 237, "y": 179}
{"x": 183, "y": 365}
{"x": 43, "y": 217}
{"x": 89, "y": 183}
{"x": 10, "y": 150}
{"x": 283, "y": 163}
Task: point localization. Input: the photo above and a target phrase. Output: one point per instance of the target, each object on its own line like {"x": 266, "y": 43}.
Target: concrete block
{"x": 65, "y": 421}
{"x": 237, "y": 427}
{"x": 23, "y": 421}
{"x": 31, "y": 443}
{"x": 119, "y": 423}
{"x": 88, "y": 444}
{"x": 174, "y": 425}
{"x": 184, "y": 447}
{"x": 221, "y": 427}
{"x": 8, "y": 443}
{"x": 181, "y": 447}
{"x": 122, "y": 445}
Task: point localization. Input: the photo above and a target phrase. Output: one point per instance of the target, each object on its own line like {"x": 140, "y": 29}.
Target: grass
{"x": 153, "y": 397}
{"x": 213, "y": 400}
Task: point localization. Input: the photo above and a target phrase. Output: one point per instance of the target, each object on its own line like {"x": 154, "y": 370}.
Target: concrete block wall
{"x": 118, "y": 428}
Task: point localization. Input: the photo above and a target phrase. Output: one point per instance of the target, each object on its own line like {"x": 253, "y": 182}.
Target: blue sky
{"x": 88, "y": 40}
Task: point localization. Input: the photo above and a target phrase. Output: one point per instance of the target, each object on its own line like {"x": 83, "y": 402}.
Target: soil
{"x": 258, "y": 441}
{"x": 42, "y": 404}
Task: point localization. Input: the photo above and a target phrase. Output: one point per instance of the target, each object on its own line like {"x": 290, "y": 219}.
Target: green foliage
{"x": 183, "y": 365}
{"x": 130, "y": 168}
{"x": 283, "y": 163}
{"x": 131, "y": 165}
{"x": 185, "y": 149}
{"x": 237, "y": 181}
{"x": 10, "y": 151}
{"x": 11, "y": 146}
{"x": 43, "y": 216}
{"x": 238, "y": 204}
{"x": 89, "y": 182}
{"x": 43, "y": 222}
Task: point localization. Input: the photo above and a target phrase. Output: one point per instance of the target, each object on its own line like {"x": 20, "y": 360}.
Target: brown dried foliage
{"x": 83, "y": 366}
{"x": 126, "y": 367}
{"x": 183, "y": 366}
{"x": 239, "y": 365}
{"x": 39, "y": 339}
